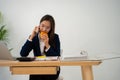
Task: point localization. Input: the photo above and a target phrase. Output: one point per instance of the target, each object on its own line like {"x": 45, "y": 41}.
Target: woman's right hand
{"x": 34, "y": 32}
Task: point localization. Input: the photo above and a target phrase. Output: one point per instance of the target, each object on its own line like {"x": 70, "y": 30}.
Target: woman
{"x": 43, "y": 41}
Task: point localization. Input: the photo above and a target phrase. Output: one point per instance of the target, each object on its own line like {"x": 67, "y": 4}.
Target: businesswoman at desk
{"x": 43, "y": 41}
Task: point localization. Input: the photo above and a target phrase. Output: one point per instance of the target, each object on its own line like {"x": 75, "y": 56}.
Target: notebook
{"x": 6, "y": 55}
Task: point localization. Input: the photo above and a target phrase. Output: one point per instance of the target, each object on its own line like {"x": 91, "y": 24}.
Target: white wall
{"x": 92, "y": 25}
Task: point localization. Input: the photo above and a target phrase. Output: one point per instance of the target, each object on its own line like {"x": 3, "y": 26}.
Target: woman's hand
{"x": 34, "y": 32}
{"x": 45, "y": 39}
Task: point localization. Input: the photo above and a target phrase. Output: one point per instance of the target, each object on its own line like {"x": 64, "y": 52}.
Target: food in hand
{"x": 42, "y": 33}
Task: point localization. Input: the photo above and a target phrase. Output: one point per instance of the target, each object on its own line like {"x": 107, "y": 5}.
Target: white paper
{"x": 102, "y": 57}
{"x": 108, "y": 56}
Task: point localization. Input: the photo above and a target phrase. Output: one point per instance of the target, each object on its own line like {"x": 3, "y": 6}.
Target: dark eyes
{"x": 43, "y": 26}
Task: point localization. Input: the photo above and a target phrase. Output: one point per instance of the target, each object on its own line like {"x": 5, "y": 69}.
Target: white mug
{"x": 83, "y": 53}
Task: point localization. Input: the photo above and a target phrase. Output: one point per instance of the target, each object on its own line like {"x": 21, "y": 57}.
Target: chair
{"x": 60, "y": 78}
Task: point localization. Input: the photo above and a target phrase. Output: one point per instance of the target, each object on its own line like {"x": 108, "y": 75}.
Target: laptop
{"x": 4, "y": 52}
{"x": 6, "y": 55}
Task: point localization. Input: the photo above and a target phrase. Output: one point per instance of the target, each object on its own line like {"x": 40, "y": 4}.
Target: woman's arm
{"x": 26, "y": 48}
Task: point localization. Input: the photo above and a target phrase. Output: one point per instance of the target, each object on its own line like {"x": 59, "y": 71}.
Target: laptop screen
{"x": 4, "y": 52}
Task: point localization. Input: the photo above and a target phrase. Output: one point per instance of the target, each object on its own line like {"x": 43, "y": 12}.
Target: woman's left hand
{"x": 45, "y": 38}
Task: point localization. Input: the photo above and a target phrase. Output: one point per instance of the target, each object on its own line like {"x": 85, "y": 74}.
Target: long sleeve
{"x": 31, "y": 45}
{"x": 26, "y": 48}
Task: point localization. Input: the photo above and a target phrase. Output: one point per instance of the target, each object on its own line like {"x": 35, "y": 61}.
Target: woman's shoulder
{"x": 56, "y": 35}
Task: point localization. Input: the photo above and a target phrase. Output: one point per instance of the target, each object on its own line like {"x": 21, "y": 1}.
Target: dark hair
{"x": 52, "y": 30}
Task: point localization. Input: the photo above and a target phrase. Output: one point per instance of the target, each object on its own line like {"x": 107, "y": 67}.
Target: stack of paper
{"x": 72, "y": 57}
{"x": 108, "y": 56}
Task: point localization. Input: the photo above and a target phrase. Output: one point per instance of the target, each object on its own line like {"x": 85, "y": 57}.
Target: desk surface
{"x": 49, "y": 67}
{"x": 49, "y": 63}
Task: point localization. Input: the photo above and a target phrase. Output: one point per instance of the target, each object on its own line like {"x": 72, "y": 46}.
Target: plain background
{"x": 91, "y": 25}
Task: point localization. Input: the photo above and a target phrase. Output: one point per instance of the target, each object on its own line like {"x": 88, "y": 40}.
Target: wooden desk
{"x": 49, "y": 67}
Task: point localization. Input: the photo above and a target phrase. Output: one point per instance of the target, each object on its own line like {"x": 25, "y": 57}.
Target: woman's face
{"x": 45, "y": 26}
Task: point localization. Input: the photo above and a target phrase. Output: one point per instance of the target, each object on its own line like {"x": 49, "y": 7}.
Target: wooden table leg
{"x": 87, "y": 73}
